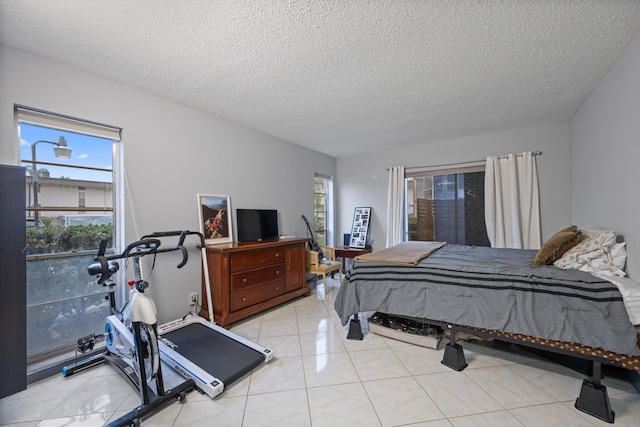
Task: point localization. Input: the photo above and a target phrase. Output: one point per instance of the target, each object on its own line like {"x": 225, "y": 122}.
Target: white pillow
{"x": 595, "y": 253}
{"x": 595, "y": 238}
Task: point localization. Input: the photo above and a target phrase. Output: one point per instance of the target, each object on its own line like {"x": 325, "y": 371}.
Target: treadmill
{"x": 210, "y": 355}
{"x": 199, "y": 349}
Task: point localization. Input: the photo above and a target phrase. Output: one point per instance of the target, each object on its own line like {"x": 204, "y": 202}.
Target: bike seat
{"x": 96, "y": 268}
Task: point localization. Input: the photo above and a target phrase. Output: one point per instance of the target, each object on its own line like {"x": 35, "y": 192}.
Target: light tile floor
{"x": 319, "y": 378}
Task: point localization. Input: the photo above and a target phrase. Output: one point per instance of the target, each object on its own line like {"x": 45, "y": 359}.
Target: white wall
{"x": 605, "y": 150}
{"x": 364, "y": 179}
{"x": 171, "y": 153}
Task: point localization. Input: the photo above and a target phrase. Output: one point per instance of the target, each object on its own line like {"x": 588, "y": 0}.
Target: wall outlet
{"x": 193, "y": 298}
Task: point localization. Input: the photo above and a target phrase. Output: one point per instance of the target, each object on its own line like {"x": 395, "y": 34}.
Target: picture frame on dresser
{"x": 360, "y": 227}
{"x": 214, "y": 217}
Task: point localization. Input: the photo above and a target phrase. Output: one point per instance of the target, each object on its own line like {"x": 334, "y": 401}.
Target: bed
{"x": 499, "y": 293}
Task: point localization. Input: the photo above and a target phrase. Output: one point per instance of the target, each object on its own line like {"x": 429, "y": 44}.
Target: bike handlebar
{"x": 147, "y": 245}
{"x": 142, "y": 247}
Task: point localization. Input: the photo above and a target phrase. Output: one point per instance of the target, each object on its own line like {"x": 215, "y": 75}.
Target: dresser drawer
{"x": 249, "y": 296}
{"x": 257, "y": 276}
{"x": 256, "y": 258}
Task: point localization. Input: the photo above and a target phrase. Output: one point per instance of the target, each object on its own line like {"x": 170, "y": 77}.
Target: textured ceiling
{"x": 342, "y": 77}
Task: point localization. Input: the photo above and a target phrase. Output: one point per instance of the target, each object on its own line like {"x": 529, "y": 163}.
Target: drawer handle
{"x": 244, "y": 299}
{"x": 277, "y": 272}
{"x": 277, "y": 254}
{"x": 277, "y": 289}
{"x": 244, "y": 280}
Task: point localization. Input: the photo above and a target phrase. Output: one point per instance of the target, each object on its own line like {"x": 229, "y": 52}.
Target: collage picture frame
{"x": 360, "y": 227}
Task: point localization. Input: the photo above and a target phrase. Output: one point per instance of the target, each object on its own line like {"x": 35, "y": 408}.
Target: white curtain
{"x": 512, "y": 206}
{"x": 395, "y": 206}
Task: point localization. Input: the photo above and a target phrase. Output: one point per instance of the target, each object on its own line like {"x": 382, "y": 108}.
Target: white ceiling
{"x": 343, "y": 76}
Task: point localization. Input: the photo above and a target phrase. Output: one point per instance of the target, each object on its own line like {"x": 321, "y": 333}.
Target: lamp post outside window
{"x": 61, "y": 151}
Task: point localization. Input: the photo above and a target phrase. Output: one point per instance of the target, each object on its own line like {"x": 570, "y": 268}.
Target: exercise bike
{"x": 131, "y": 334}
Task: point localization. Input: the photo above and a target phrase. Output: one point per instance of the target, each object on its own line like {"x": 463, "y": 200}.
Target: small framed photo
{"x": 360, "y": 228}
{"x": 214, "y": 213}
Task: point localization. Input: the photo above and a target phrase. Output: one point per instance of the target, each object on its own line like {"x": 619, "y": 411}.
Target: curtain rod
{"x": 535, "y": 153}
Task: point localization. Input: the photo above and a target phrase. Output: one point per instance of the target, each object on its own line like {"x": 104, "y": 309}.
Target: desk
{"x": 347, "y": 252}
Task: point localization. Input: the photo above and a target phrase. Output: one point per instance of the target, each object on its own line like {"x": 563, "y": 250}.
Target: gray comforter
{"x": 497, "y": 289}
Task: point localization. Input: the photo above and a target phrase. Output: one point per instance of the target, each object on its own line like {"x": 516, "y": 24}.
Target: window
{"x": 447, "y": 206}
{"x": 72, "y": 173}
{"x": 323, "y": 209}
{"x": 81, "y": 197}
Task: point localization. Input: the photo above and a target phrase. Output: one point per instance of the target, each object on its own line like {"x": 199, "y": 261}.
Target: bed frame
{"x": 409, "y": 281}
{"x": 593, "y": 398}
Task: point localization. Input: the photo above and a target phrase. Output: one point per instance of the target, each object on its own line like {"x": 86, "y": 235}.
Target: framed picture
{"x": 360, "y": 228}
{"x": 214, "y": 213}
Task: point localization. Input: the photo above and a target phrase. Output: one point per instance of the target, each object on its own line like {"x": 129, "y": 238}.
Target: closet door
{"x": 13, "y": 274}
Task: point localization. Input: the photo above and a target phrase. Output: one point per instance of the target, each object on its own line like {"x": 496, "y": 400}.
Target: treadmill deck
{"x": 221, "y": 356}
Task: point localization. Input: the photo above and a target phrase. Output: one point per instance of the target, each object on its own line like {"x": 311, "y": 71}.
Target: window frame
{"x": 39, "y": 118}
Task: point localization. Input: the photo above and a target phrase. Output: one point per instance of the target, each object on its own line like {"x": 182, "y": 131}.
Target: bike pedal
{"x": 86, "y": 344}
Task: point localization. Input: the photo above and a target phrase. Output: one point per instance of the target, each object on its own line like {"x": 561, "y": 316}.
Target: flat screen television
{"x": 257, "y": 224}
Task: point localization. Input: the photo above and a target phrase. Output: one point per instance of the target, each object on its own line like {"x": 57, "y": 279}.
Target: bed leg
{"x": 593, "y": 398}
{"x": 453, "y": 353}
{"x": 355, "y": 330}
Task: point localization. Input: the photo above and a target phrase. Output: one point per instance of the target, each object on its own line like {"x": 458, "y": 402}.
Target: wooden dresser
{"x": 247, "y": 278}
